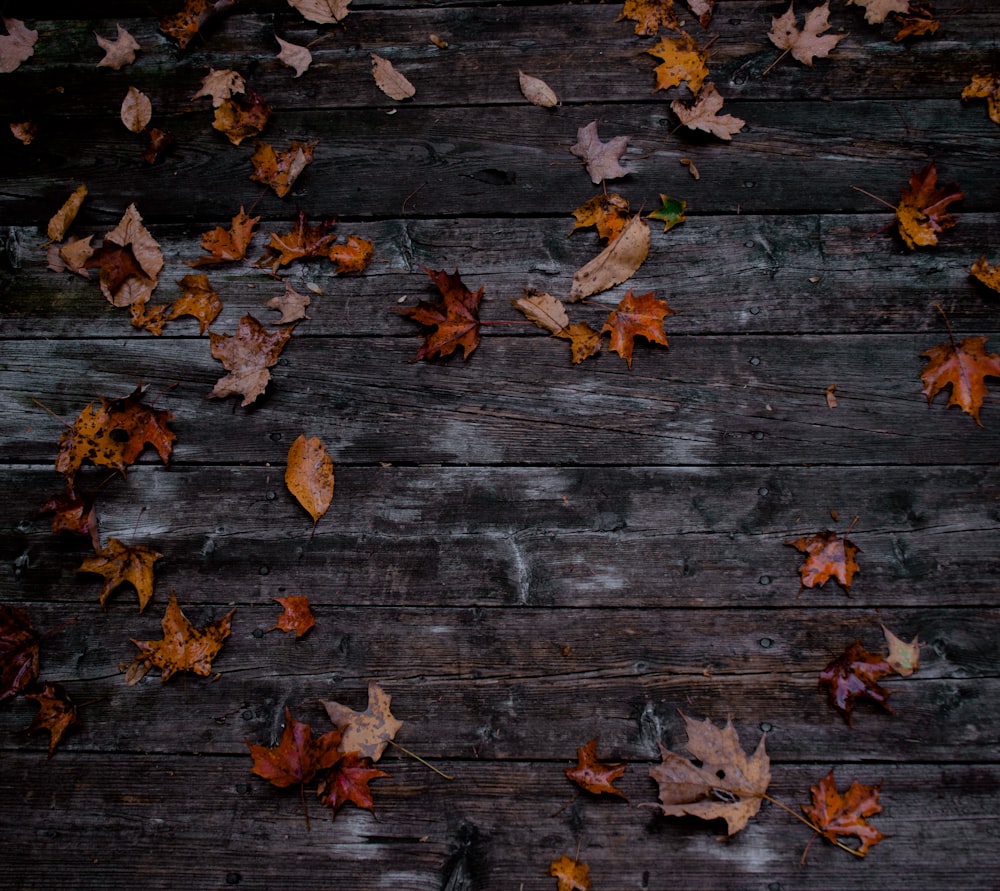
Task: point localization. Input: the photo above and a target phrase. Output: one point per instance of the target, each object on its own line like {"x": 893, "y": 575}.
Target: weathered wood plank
{"x": 208, "y": 823}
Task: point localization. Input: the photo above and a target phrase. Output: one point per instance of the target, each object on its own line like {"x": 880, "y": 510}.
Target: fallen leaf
{"x": 876, "y": 11}
{"x": 241, "y": 117}
{"x": 309, "y": 475}
{"x": 593, "y": 775}
{"x": 987, "y": 274}
{"x": 670, "y": 212}
{"x": 831, "y": 399}
{"x": 137, "y": 110}
{"x": 536, "y": 91}
{"x": 353, "y": 256}
{"x": 112, "y": 433}
{"x": 24, "y": 131}
{"x": 56, "y": 712}
{"x": 544, "y": 310}
{"x": 226, "y": 245}
{"x": 247, "y": 355}
{"x": 325, "y": 12}
{"x": 687, "y": 162}
{"x": 607, "y": 212}
{"x": 437, "y": 41}
{"x": 704, "y": 114}
{"x": 601, "y": 158}
{"x": 72, "y": 512}
{"x": 158, "y": 143}
{"x": 118, "y": 52}
{"x": 17, "y": 45}
{"x": 367, "y": 732}
{"x": 294, "y": 56}
{"x": 640, "y": 316}
{"x": 838, "y": 816}
{"x": 616, "y": 263}
{"x": 297, "y": 616}
{"x": 650, "y": 15}
{"x": 199, "y": 300}
{"x": 292, "y": 305}
{"x": 830, "y": 556}
{"x": 903, "y": 657}
{"x": 123, "y": 564}
{"x": 573, "y": 875}
{"x": 919, "y": 21}
{"x": 921, "y": 213}
{"x": 183, "y": 648}
{"x": 118, "y": 267}
{"x": 683, "y": 61}
{"x": 703, "y": 9}
{"x": 219, "y": 85}
{"x": 456, "y": 319}
{"x": 985, "y": 86}
{"x": 302, "y": 243}
{"x": 854, "y": 675}
{"x": 584, "y": 341}
{"x": 390, "y": 81}
{"x": 63, "y": 218}
{"x": 964, "y": 365}
{"x": 280, "y": 170}
{"x": 298, "y": 757}
{"x": 726, "y": 784}
{"x": 192, "y": 17}
{"x": 18, "y": 651}
{"x": 347, "y": 781}
{"x": 131, "y": 234}
{"x": 807, "y": 44}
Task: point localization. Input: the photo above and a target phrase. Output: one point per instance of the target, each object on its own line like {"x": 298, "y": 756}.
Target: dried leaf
{"x": 985, "y": 86}
{"x": 593, "y": 775}
{"x": 24, "y": 131}
{"x": 292, "y": 305}
{"x": 72, "y": 512}
{"x": 456, "y": 320}
{"x": 226, "y": 245}
{"x": 367, "y": 732}
{"x": 964, "y": 366}
{"x": 221, "y": 85}
{"x": 18, "y": 651}
{"x": 616, "y": 263}
{"x": 584, "y": 341}
{"x": 298, "y": 757}
{"x": 247, "y": 355}
{"x": 347, "y": 781}
{"x": 683, "y": 61}
{"x": 572, "y": 875}
{"x": 294, "y": 56}
{"x": 601, "y": 158}
{"x": 640, "y": 316}
{"x": 921, "y": 213}
{"x": 536, "y": 91}
{"x": 607, "y": 212}
{"x": 17, "y": 45}
{"x": 199, "y": 300}
{"x": 390, "y": 81}
{"x": 280, "y": 170}
{"x": 919, "y": 21}
{"x": 807, "y": 44}
{"x": 325, "y": 12}
{"x": 670, "y": 212}
{"x": 192, "y": 17}
{"x": 302, "y": 243}
{"x": 704, "y": 114}
{"x": 137, "y": 110}
{"x": 838, "y": 816}
{"x": 650, "y": 15}
{"x": 830, "y": 556}
{"x": 123, "y": 564}
{"x": 63, "y": 218}
{"x": 158, "y": 143}
{"x": 831, "y": 399}
{"x": 903, "y": 657}
{"x": 75, "y": 254}
{"x": 687, "y": 162}
{"x": 987, "y": 274}
{"x": 309, "y": 475}
{"x": 353, "y": 256}
{"x": 544, "y": 310}
{"x": 297, "y": 616}
{"x": 241, "y": 117}
{"x": 854, "y": 675}
{"x": 703, "y": 9}
{"x": 118, "y": 52}
{"x": 876, "y": 11}
{"x": 131, "y": 234}
{"x": 56, "y": 712}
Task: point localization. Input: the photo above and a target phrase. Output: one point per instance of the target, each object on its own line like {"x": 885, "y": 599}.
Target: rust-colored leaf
{"x": 199, "y": 301}
{"x": 353, "y": 256}
{"x": 704, "y": 114}
{"x": 602, "y": 158}
{"x": 572, "y": 875}
{"x": 963, "y": 365}
{"x": 183, "y": 25}
{"x": 183, "y": 648}
{"x": 241, "y": 116}
{"x": 593, "y": 775}
{"x": 634, "y": 316}
{"x": 854, "y": 675}
{"x": 808, "y": 43}
{"x": 247, "y": 355}
{"x": 298, "y": 757}
{"x": 302, "y": 243}
{"x": 123, "y": 564}
{"x": 650, "y": 15}
{"x": 829, "y": 556}
{"x": 986, "y": 273}
{"x": 584, "y": 341}
{"x": 309, "y": 475}
{"x": 116, "y": 267}
{"x": 56, "y": 712}
{"x": 118, "y": 52}
{"x": 682, "y": 61}
{"x": 348, "y": 780}
{"x": 297, "y": 616}
{"x": 918, "y": 21}
{"x": 367, "y": 732}
{"x": 839, "y": 816}
{"x": 456, "y": 319}
{"x": 63, "y": 218}
{"x": 18, "y": 651}
{"x": 129, "y": 286}
{"x": 158, "y": 144}
{"x": 903, "y": 657}
{"x": 72, "y": 512}
{"x": 280, "y": 170}
{"x": 227, "y": 245}
{"x": 921, "y": 212}
{"x": 608, "y": 213}
{"x": 985, "y": 86}
{"x": 703, "y": 9}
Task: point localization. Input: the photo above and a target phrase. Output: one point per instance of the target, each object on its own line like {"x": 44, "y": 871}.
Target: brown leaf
{"x": 683, "y": 61}
{"x": 136, "y": 110}
{"x": 876, "y": 11}
{"x": 921, "y": 213}
{"x": 806, "y": 44}
{"x": 17, "y": 45}
{"x": 241, "y": 117}
{"x": 199, "y": 300}
{"x": 456, "y": 320}
{"x": 987, "y": 274}
{"x": 294, "y": 56}
{"x": 297, "y": 616}
{"x": 985, "y": 86}
{"x": 572, "y": 875}
{"x": 24, "y": 131}
{"x": 18, "y": 651}
{"x": 919, "y": 21}
{"x": 964, "y": 366}
{"x": 536, "y": 91}
{"x": 309, "y": 475}
{"x": 367, "y": 732}
{"x": 192, "y": 17}
{"x": 130, "y": 233}
{"x": 226, "y": 245}
{"x": 650, "y": 15}
{"x": 56, "y": 712}
{"x": 726, "y": 784}
{"x": 616, "y": 263}
{"x": 584, "y": 341}
{"x": 73, "y": 513}
{"x": 601, "y": 158}
{"x": 158, "y": 144}
{"x": 280, "y": 170}
{"x": 118, "y": 52}
{"x": 247, "y": 355}
{"x": 75, "y": 254}
{"x": 183, "y": 648}
{"x": 292, "y": 305}
{"x": 219, "y": 85}
{"x": 854, "y": 675}
{"x": 839, "y": 816}
{"x": 903, "y": 657}
{"x": 544, "y": 310}
{"x": 593, "y": 775}
{"x": 347, "y": 781}
{"x": 608, "y": 213}
{"x": 323, "y": 11}
{"x": 63, "y": 218}
{"x": 640, "y": 316}
{"x": 302, "y": 243}
{"x": 830, "y": 556}
{"x": 117, "y": 267}
{"x": 123, "y": 564}
{"x": 704, "y": 114}
{"x": 298, "y": 757}
{"x": 353, "y": 256}
{"x": 390, "y": 81}
{"x": 831, "y": 398}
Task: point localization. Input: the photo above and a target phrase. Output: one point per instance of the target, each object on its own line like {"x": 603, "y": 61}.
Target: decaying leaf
{"x": 348, "y": 780}
{"x": 353, "y": 256}
{"x": 670, "y": 212}
{"x": 921, "y": 212}
{"x": 683, "y": 61}
{"x": 607, "y": 212}
{"x": 17, "y": 45}
{"x": 74, "y": 513}
{"x": 593, "y": 775}
{"x": 963, "y": 365}
{"x": 726, "y": 785}
{"x": 247, "y": 355}
{"x": 63, "y": 218}
{"x": 24, "y": 131}
{"x": 220, "y": 85}
{"x": 704, "y": 114}
{"x": 18, "y": 651}
{"x": 183, "y": 648}
{"x": 56, "y": 712}
{"x": 807, "y": 44}
{"x": 118, "y": 52}
{"x": 602, "y": 158}
{"x": 226, "y": 245}
{"x": 112, "y": 433}
{"x": 158, "y": 143}
{"x": 185, "y": 24}
{"x": 298, "y": 757}
{"x": 309, "y": 475}
{"x": 122, "y": 283}
{"x": 302, "y": 243}
{"x": 876, "y": 11}
{"x": 199, "y": 300}
{"x": 854, "y": 675}
{"x": 296, "y": 57}
{"x": 650, "y": 15}
{"x": 544, "y": 310}
{"x": 136, "y": 111}
{"x": 536, "y": 91}
{"x": 572, "y": 875}
{"x": 634, "y": 316}
{"x": 616, "y": 263}
{"x": 121, "y": 564}
{"x": 280, "y": 170}
{"x": 456, "y": 319}
{"x": 390, "y": 81}
{"x": 985, "y": 86}
{"x": 692, "y": 169}
{"x": 703, "y": 9}
{"x": 325, "y": 12}
{"x": 830, "y": 556}
{"x": 367, "y": 732}
{"x": 840, "y": 816}
{"x": 292, "y": 305}
{"x": 297, "y": 615}
{"x": 903, "y": 657}
{"x": 75, "y": 254}
{"x": 918, "y": 21}
{"x": 987, "y": 274}
{"x": 831, "y": 396}
{"x": 584, "y": 341}
{"x": 241, "y": 116}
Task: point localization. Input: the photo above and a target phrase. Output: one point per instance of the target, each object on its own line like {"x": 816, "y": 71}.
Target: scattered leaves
{"x": 247, "y": 355}
{"x": 63, "y": 218}
{"x": 985, "y": 86}
{"x": 390, "y": 81}
{"x": 226, "y": 245}
{"x": 807, "y": 44}
{"x": 683, "y": 61}
{"x": 325, "y": 12}
{"x": 17, "y": 45}
{"x": 573, "y": 875}
{"x": 298, "y": 757}
{"x": 118, "y": 52}
{"x": 602, "y": 158}
{"x": 309, "y": 475}
{"x": 348, "y": 780}
{"x": 123, "y": 564}
{"x": 241, "y": 116}
{"x": 536, "y": 91}
{"x": 987, "y": 274}
{"x": 704, "y": 114}
{"x": 921, "y": 212}
{"x": 456, "y": 319}
{"x": 296, "y": 57}
{"x": 903, "y": 657}
{"x": 292, "y": 305}
{"x": 593, "y": 775}
{"x": 854, "y": 675}
{"x": 650, "y": 15}
{"x": 280, "y": 170}
{"x": 838, "y": 816}
{"x": 670, "y": 212}
{"x": 367, "y": 732}
{"x": 964, "y": 365}
{"x": 56, "y": 712}
{"x": 297, "y": 616}
{"x": 18, "y": 651}
{"x": 616, "y": 263}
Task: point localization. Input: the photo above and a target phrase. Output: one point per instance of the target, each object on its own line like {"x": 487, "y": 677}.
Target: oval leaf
{"x": 537, "y": 92}
{"x": 309, "y": 475}
{"x": 137, "y": 110}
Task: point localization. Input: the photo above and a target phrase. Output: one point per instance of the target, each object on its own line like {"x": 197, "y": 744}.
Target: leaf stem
{"x": 416, "y": 757}
{"x": 947, "y": 323}
{"x": 808, "y": 823}
{"x": 892, "y": 207}
{"x": 767, "y": 70}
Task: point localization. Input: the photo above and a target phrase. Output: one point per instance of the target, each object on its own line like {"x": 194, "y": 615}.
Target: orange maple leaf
{"x": 640, "y": 316}
{"x": 985, "y": 86}
{"x": 921, "y": 213}
{"x": 183, "y": 648}
{"x": 683, "y": 61}
{"x": 225, "y": 245}
{"x": 297, "y": 616}
{"x": 247, "y": 355}
{"x": 347, "y": 781}
{"x": 353, "y": 256}
{"x": 241, "y": 116}
{"x": 837, "y": 816}
{"x": 18, "y": 651}
{"x": 964, "y": 365}
{"x": 456, "y": 320}
{"x": 367, "y": 732}
{"x": 120, "y": 564}
{"x": 593, "y": 775}
{"x": 298, "y": 757}
{"x": 854, "y": 675}
{"x": 704, "y": 115}
{"x": 986, "y": 273}
{"x": 573, "y": 875}
{"x": 650, "y": 15}
{"x": 183, "y": 25}
{"x": 302, "y": 243}
{"x": 917, "y": 21}
{"x": 608, "y": 213}
{"x": 830, "y": 556}
{"x": 280, "y": 170}
{"x": 56, "y": 712}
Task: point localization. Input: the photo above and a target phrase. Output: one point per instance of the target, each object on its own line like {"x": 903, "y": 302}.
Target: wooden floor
{"x": 525, "y": 554}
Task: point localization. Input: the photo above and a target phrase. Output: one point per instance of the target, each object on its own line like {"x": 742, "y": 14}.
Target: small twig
{"x": 44, "y": 407}
{"x": 58, "y": 627}
{"x": 892, "y": 207}
{"x": 767, "y": 70}
{"x": 853, "y": 523}
{"x": 402, "y": 208}
{"x": 416, "y": 757}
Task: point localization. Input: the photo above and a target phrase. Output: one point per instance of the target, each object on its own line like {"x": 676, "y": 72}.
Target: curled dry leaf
{"x": 593, "y": 775}
{"x": 63, "y": 218}
{"x": 309, "y": 475}
{"x": 536, "y": 91}
{"x": 703, "y": 9}
{"x": 683, "y": 61}
{"x": 456, "y": 320}
{"x": 226, "y": 245}
{"x": 297, "y": 615}
{"x": 963, "y": 365}
{"x": 56, "y": 712}
{"x": 830, "y": 556}
{"x": 325, "y": 12}
{"x": 876, "y": 11}
{"x": 17, "y": 45}
{"x": 75, "y": 254}
{"x": 241, "y": 117}
{"x": 650, "y": 15}
{"x": 985, "y": 86}
{"x": 987, "y": 274}
{"x": 296, "y": 57}
{"x": 839, "y": 816}
{"x": 607, "y": 212}
{"x": 687, "y": 162}
{"x": 18, "y": 651}
{"x": 922, "y": 210}
{"x": 137, "y": 110}
{"x": 367, "y": 732}
{"x": 807, "y": 44}
{"x": 854, "y": 675}
{"x": 704, "y": 114}
{"x": 72, "y": 512}
{"x": 602, "y": 158}
{"x": 219, "y": 85}
{"x": 122, "y": 564}
{"x": 247, "y": 355}
{"x": 390, "y": 81}
{"x": 634, "y": 317}
{"x": 292, "y": 305}
{"x": 280, "y": 170}
{"x": 127, "y": 284}
{"x": 572, "y": 875}
{"x": 616, "y": 263}
{"x": 118, "y": 52}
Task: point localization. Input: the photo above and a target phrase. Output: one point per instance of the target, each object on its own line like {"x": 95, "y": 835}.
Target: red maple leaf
{"x": 348, "y": 781}
{"x": 593, "y": 775}
{"x": 854, "y": 675}
{"x": 72, "y": 512}
{"x": 837, "y": 816}
{"x": 456, "y": 320}
{"x": 640, "y": 316}
{"x": 18, "y": 651}
{"x": 298, "y": 757}
{"x": 830, "y": 556}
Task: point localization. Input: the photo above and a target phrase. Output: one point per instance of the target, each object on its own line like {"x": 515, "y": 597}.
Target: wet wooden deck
{"x": 525, "y": 554}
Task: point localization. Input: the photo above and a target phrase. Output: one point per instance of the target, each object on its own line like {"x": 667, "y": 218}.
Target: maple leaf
{"x": 136, "y": 110}
{"x": 650, "y": 15}
{"x": 298, "y": 757}
{"x": 296, "y": 57}
{"x": 985, "y": 86}
{"x": 120, "y": 564}
{"x": 118, "y": 52}
{"x": 921, "y": 213}
{"x": 584, "y": 341}
{"x": 280, "y": 170}
{"x": 353, "y": 256}
{"x": 226, "y": 245}
{"x": 573, "y": 875}
{"x": 593, "y": 775}
{"x": 704, "y": 114}
{"x": 183, "y": 648}
{"x": 987, "y": 274}
{"x": 964, "y": 365}
{"x": 830, "y": 556}
{"x": 17, "y": 45}
{"x": 854, "y": 675}
{"x": 297, "y": 616}
{"x": 18, "y": 651}
{"x": 536, "y": 91}
{"x": 806, "y": 44}
{"x": 608, "y": 213}
{"x": 199, "y": 300}
{"x": 72, "y": 512}
{"x": 302, "y": 243}
{"x": 837, "y": 816}
{"x": 219, "y": 85}
{"x": 616, "y": 263}
{"x": 876, "y": 11}
{"x": 670, "y": 212}
{"x": 121, "y": 282}
{"x": 367, "y": 732}
{"x": 241, "y": 117}
{"x": 192, "y": 17}
{"x": 640, "y": 316}
{"x": 112, "y": 433}
{"x": 727, "y": 784}
{"x": 683, "y": 61}
{"x": 309, "y": 475}
{"x": 919, "y": 21}
{"x": 292, "y": 305}
{"x": 903, "y": 657}
{"x": 601, "y": 158}
{"x": 63, "y": 218}
{"x": 456, "y": 320}
{"x": 325, "y": 12}
{"x": 390, "y": 81}
{"x": 348, "y": 781}
{"x": 247, "y": 355}
{"x": 56, "y": 712}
